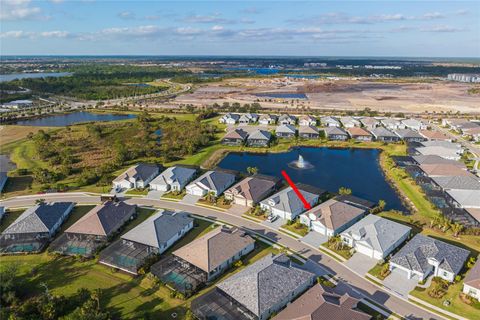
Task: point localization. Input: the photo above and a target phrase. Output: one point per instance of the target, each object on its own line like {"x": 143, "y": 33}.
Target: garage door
{"x": 364, "y": 250}
{"x": 319, "y": 229}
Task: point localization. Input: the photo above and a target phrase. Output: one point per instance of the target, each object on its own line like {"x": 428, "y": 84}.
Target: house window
{"x": 445, "y": 274}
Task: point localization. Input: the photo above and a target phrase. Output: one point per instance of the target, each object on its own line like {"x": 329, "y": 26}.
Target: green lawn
{"x": 9, "y": 217}
{"x": 24, "y": 156}
{"x": 376, "y": 271}
{"x": 75, "y": 215}
{"x": 453, "y": 295}
{"x": 296, "y": 228}
{"x": 175, "y": 196}
{"x": 138, "y": 192}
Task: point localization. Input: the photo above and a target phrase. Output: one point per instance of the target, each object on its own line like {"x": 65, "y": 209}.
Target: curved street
{"x": 349, "y": 281}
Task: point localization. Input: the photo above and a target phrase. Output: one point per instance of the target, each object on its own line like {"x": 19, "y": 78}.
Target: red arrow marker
{"x": 297, "y": 192}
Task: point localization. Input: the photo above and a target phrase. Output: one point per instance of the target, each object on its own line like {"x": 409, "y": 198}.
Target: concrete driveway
{"x": 275, "y": 224}
{"x": 190, "y": 199}
{"x": 238, "y": 209}
{"x": 398, "y": 282}
{"x": 314, "y": 239}
{"x": 154, "y": 194}
{"x": 360, "y": 263}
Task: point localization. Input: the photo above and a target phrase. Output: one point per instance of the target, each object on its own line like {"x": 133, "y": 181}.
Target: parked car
{"x": 271, "y": 218}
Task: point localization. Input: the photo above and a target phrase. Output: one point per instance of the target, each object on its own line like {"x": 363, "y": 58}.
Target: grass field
{"x": 9, "y": 217}
{"x": 11, "y": 133}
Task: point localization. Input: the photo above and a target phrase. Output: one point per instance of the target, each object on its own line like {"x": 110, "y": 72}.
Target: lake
{"x": 282, "y": 95}
{"x": 13, "y": 76}
{"x": 357, "y": 169}
{"x": 62, "y": 120}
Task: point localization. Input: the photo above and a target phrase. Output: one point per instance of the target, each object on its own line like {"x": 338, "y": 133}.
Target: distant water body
{"x": 282, "y": 95}
{"x": 62, "y": 120}
{"x": 14, "y": 76}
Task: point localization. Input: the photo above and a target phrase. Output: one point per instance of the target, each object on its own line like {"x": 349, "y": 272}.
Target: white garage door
{"x": 364, "y": 250}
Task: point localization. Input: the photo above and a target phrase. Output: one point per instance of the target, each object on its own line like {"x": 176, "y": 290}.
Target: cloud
{"x": 18, "y": 34}
{"x": 126, "y": 15}
{"x": 441, "y": 29}
{"x": 251, "y": 10}
{"x": 461, "y": 12}
{"x": 13, "y": 10}
{"x": 433, "y": 15}
{"x": 214, "y": 18}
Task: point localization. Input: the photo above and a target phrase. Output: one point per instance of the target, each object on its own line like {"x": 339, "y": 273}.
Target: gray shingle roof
{"x": 174, "y": 174}
{"x": 377, "y": 233}
{"x": 458, "y": 182}
{"x": 39, "y": 218}
{"x": 159, "y": 228}
{"x": 445, "y": 144}
{"x": 286, "y": 128}
{"x": 287, "y": 200}
{"x": 383, "y": 132}
{"x": 215, "y": 180}
{"x": 435, "y": 159}
{"x": 408, "y": 133}
{"x": 419, "y": 249}
{"x": 265, "y": 283}
{"x": 335, "y": 131}
{"x": 260, "y": 135}
{"x": 466, "y": 198}
{"x": 141, "y": 171}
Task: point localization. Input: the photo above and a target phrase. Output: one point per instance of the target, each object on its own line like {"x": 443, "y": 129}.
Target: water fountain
{"x": 300, "y": 163}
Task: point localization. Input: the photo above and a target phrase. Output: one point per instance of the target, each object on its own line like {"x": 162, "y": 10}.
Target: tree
{"x": 456, "y": 229}
{"x": 344, "y": 191}
{"x": 252, "y": 170}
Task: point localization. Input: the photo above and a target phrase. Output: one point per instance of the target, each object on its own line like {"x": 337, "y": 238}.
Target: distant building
{"x": 336, "y": 133}
{"x": 229, "y": 118}
{"x": 464, "y": 77}
{"x": 285, "y": 131}
{"x": 308, "y": 132}
{"x": 138, "y": 176}
{"x": 259, "y": 138}
{"x": 471, "y": 284}
{"x": 17, "y": 104}
{"x": 267, "y": 119}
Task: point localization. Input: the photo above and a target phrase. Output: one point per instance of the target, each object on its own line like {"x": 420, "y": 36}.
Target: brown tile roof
{"x": 252, "y": 188}
{"x": 333, "y": 214}
{"x": 318, "y": 303}
{"x": 443, "y": 170}
{"x": 357, "y": 131}
{"x": 211, "y": 250}
{"x": 473, "y": 276}
{"x": 236, "y": 134}
{"x": 434, "y": 135}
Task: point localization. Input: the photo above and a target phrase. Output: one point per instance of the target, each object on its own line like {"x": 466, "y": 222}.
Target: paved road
{"x": 352, "y": 282}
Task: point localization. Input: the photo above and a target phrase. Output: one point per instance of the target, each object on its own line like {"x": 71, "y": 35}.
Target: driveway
{"x": 237, "y": 209}
{"x": 398, "y": 282}
{"x": 275, "y": 224}
{"x": 360, "y": 263}
{"x": 314, "y": 239}
{"x": 190, "y": 199}
{"x": 154, "y": 194}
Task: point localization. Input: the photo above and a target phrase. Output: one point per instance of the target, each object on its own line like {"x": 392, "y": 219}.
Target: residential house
{"x": 248, "y": 118}
{"x": 286, "y": 131}
{"x": 408, "y": 135}
{"x": 259, "y": 138}
{"x": 138, "y": 176}
{"x": 435, "y": 159}
{"x": 465, "y": 198}
{"x": 153, "y": 236}
{"x": 267, "y": 119}
{"x": 384, "y": 135}
{"x": 356, "y": 201}
{"x": 287, "y": 119}
{"x": 331, "y": 217}
{"x": 473, "y": 133}
{"x": 35, "y": 227}
{"x": 308, "y": 132}
{"x": 328, "y": 121}
{"x": 229, "y": 118}
{"x": 174, "y": 178}
{"x": 336, "y": 133}
{"x": 471, "y": 284}
{"x": 323, "y": 303}
{"x": 3, "y": 180}
{"x": 457, "y": 182}
{"x": 443, "y": 170}
{"x": 266, "y": 286}
{"x": 307, "y": 120}
{"x": 375, "y": 237}
{"x": 444, "y": 144}
{"x": 94, "y": 229}
{"x": 252, "y": 190}
{"x": 447, "y": 153}
{"x": 287, "y": 205}
{"x": 359, "y": 134}
{"x": 217, "y": 250}
{"x": 414, "y": 124}
{"x": 369, "y": 123}
{"x": 236, "y": 137}
{"x": 392, "y": 124}
{"x": 213, "y": 181}
{"x": 434, "y": 135}
{"x": 423, "y": 255}
{"x": 349, "y": 122}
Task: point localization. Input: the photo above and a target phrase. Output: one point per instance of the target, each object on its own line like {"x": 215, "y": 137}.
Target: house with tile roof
{"x": 252, "y": 190}
{"x": 217, "y": 250}
{"x": 229, "y": 118}
{"x": 287, "y": 119}
{"x": 213, "y": 181}
{"x": 329, "y": 121}
{"x": 471, "y": 283}
{"x": 35, "y": 227}
{"x": 308, "y": 132}
{"x": 137, "y": 176}
{"x": 322, "y": 303}
{"x": 336, "y": 133}
{"x": 267, "y": 285}
{"x": 153, "y": 236}
{"x": 384, "y": 135}
{"x": 435, "y": 135}
{"x": 286, "y": 131}
{"x": 94, "y": 229}
{"x": 307, "y": 120}
{"x": 286, "y": 204}
{"x": 359, "y": 134}
{"x": 331, "y": 217}
{"x": 423, "y": 256}
{"x": 443, "y": 170}
{"x": 236, "y": 137}
{"x": 174, "y": 178}
{"x": 375, "y": 237}
{"x": 259, "y": 138}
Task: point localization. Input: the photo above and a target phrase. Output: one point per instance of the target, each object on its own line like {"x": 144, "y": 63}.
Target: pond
{"x": 282, "y": 95}
{"x": 62, "y": 120}
{"x": 357, "y": 169}
{"x": 13, "y": 76}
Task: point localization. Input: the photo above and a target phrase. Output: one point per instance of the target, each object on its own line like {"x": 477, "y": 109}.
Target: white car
{"x": 271, "y": 218}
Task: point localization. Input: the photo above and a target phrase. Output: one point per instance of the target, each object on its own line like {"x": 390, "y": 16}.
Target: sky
{"x": 284, "y": 28}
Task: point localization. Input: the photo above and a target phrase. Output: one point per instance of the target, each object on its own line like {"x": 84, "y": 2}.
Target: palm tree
{"x": 456, "y": 228}
{"x": 445, "y": 224}
{"x": 252, "y": 170}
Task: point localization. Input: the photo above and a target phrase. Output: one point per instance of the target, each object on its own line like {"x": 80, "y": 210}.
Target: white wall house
{"x": 173, "y": 179}
{"x": 215, "y": 182}
{"x": 471, "y": 284}
{"x": 138, "y": 176}
{"x": 286, "y": 204}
